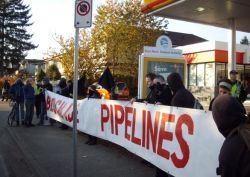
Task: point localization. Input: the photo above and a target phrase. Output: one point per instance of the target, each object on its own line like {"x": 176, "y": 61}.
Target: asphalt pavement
{"x": 46, "y": 151}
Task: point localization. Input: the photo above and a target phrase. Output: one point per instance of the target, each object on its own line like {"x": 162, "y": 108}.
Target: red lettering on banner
{"x": 112, "y": 119}
{"x": 152, "y": 131}
{"x": 143, "y": 127}
{"x": 118, "y": 119}
{"x": 165, "y": 135}
{"x": 183, "y": 120}
{"x": 135, "y": 139}
{"x": 128, "y": 110}
{"x": 104, "y": 119}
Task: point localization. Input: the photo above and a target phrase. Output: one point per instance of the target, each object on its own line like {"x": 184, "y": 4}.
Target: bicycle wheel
{"x": 11, "y": 117}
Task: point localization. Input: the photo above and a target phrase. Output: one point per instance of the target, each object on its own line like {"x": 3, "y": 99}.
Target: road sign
{"x": 83, "y": 13}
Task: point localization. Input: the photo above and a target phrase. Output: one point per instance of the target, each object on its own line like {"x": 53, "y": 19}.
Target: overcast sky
{"x": 56, "y": 17}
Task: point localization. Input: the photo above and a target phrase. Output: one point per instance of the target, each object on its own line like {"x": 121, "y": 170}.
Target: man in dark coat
{"x": 181, "y": 96}
{"x": 46, "y": 85}
{"x": 92, "y": 93}
{"x": 29, "y": 99}
{"x": 162, "y": 92}
{"x": 64, "y": 92}
{"x": 234, "y": 158}
{"x": 16, "y": 91}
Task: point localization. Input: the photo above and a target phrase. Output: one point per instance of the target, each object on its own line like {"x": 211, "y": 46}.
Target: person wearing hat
{"x": 225, "y": 87}
{"x": 237, "y": 90}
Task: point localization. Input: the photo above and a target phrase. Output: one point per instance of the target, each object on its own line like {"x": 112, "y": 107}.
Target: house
{"x": 32, "y": 66}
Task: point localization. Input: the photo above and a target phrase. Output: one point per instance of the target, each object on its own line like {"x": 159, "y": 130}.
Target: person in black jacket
{"x": 92, "y": 93}
{"x": 16, "y": 92}
{"x": 234, "y": 157}
{"x": 5, "y": 90}
{"x": 151, "y": 95}
{"x": 162, "y": 92}
{"x": 163, "y": 96}
{"x": 64, "y": 92}
{"x": 46, "y": 85}
{"x": 225, "y": 86}
{"x": 181, "y": 96}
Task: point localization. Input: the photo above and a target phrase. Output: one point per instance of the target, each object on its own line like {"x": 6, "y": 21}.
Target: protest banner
{"x": 182, "y": 142}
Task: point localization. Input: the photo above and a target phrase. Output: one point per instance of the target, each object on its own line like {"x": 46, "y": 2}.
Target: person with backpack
{"x": 233, "y": 124}
{"x": 17, "y": 94}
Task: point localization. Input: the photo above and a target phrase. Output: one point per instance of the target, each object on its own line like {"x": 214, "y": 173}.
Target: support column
{"x": 232, "y": 46}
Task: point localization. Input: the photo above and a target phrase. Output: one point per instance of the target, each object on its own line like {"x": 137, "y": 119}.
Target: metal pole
{"x": 232, "y": 46}
{"x": 75, "y": 103}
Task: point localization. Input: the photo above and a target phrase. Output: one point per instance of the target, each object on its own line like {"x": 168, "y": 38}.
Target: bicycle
{"x": 12, "y": 114}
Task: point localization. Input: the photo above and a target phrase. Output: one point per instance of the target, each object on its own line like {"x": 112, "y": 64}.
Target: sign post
{"x": 83, "y": 19}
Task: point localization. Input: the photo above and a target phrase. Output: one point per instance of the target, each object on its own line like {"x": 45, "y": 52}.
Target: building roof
{"x": 211, "y": 12}
{"x": 182, "y": 39}
{"x": 33, "y": 61}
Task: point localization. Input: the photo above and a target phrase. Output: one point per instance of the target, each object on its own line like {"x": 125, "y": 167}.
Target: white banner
{"x": 182, "y": 142}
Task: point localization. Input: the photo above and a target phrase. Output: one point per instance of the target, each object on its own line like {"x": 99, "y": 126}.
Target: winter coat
{"x": 29, "y": 93}
{"x": 48, "y": 87}
{"x": 16, "y": 90}
{"x": 6, "y": 86}
{"x": 163, "y": 95}
{"x": 181, "y": 96}
{"x": 234, "y": 157}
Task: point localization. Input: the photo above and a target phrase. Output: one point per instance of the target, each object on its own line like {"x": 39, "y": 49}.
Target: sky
{"x": 56, "y": 17}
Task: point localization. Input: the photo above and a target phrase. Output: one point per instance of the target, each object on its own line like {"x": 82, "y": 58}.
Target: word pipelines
{"x": 153, "y": 130}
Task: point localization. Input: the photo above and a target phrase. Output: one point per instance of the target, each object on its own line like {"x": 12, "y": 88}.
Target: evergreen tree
{"x": 53, "y": 72}
{"x": 14, "y": 38}
{"x": 40, "y": 75}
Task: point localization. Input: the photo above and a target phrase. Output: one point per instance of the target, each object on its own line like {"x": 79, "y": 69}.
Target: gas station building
{"x": 208, "y": 62}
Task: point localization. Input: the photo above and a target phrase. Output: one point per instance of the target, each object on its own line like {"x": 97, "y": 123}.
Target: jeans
{"x": 29, "y": 105}
{"x": 38, "y": 107}
{"x": 43, "y": 113}
{"x": 19, "y": 109}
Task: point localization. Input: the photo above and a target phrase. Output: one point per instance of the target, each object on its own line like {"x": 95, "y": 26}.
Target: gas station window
{"x": 240, "y": 69}
{"x": 200, "y": 74}
{"x": 209, "y": 76}
{"x": 221, "y": 71}
{"x": 192, "y": 75}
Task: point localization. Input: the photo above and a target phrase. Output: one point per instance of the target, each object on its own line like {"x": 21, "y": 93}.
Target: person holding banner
{"x": 150, "y": 85}
{"x": 182, "y": 97}
{"x": 92, "y": 93}
{"x": 46, "y": 85}
{"x": 234, "y": 157}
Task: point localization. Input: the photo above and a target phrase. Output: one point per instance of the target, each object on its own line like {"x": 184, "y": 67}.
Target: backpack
{"x": 197, "y": 105}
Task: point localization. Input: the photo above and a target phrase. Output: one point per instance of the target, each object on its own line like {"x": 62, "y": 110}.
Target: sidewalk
{"x": 48, "y": 151}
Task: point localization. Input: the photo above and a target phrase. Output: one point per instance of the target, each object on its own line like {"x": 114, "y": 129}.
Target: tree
{"x": 89, "y": 64}
{"x": 14, "y": 38}
{"x": 40, "y": 75}
{"x": 121, "y": 31}
{"x": 53, "y": 72}
{"x": 244, "y": 41}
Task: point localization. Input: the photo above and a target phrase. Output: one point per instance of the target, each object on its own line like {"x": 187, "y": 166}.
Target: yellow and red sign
{"x": 151, "y": 5}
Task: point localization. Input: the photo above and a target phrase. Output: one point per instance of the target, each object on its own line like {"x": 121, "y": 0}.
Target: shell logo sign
{"x": 151, "y": 5}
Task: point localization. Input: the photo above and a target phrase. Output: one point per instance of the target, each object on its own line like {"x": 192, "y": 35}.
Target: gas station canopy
{"x": 211, "y": 12}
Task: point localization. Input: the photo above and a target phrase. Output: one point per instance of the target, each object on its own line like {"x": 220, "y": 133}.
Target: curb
{"x": 38, "y": 170}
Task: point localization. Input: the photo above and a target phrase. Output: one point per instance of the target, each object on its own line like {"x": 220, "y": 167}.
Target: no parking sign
{"x": 83, "y": 13}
